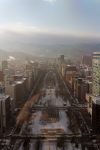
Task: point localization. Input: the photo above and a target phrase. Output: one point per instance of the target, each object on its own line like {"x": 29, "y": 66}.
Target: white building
{"x": 90, "y": 97}
{"x": 96, "y": 93}
{"x": 96, "y": 74}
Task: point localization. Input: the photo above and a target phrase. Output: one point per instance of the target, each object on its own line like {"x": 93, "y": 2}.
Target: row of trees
{"x": 25, "y": 113}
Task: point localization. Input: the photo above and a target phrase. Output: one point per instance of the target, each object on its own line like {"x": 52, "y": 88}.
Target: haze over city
{"x": 49, "y": 74}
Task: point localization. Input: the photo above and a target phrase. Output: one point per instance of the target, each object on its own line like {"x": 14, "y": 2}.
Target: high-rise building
{"x": 4, "y": 65}
{"x": 96, "y": 115}
{"x": 96, "y": 74}
{"x": 5, "y": 112}
{"x": 86, "y": 60}
{"x": 96, "y": 93}
{"x": 62, "y": 58}
{"x": 18, "y": 91}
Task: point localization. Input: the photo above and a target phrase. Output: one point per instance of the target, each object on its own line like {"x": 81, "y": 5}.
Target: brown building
{"x": 81, "y": 87}
{"x": 17, "y": 77}
{"x": 1, "y": 76}
{"x": 70, "y": 74}
{"x": 86, "y": 60}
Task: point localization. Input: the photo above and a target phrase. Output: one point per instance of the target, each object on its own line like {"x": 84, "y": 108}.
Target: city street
{"x": 50, "y": 122}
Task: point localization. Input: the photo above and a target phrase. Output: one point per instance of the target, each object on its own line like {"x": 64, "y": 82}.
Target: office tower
{"x": 96, "y": 93}
{"x": 96, "y": 74}
{"x": 96, "y": 115}
{"x": 5, "y": 112}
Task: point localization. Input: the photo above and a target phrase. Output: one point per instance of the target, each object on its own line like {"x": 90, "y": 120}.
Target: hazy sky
{"x": 64, "y": 16}
{"x": 75, "y": 17}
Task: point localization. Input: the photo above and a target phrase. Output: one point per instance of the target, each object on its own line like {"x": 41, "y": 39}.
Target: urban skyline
{"x": 49, "y": 75}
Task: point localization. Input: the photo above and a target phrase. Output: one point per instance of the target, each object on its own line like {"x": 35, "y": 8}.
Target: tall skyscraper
{"x": 96, "y": 74}
{"x": 62, "y": 58}
{"x": 5, "y": 112}
{"x": 96, "y": 115}
{"x": 96, "y": 93}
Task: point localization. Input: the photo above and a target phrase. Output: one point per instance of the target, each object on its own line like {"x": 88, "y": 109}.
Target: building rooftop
{"x": 71, "y": 68}
{"x": 19, "y": 82}
{"x": 3, "y": 97}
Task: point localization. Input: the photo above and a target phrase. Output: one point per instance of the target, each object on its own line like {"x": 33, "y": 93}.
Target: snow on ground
{"x": 50, "y": 96}
{"x": 62, "y": 123}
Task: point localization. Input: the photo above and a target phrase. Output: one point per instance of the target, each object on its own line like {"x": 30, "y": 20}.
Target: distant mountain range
{"x": 53, "y": 50}
{"x": 18, "y": 55}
